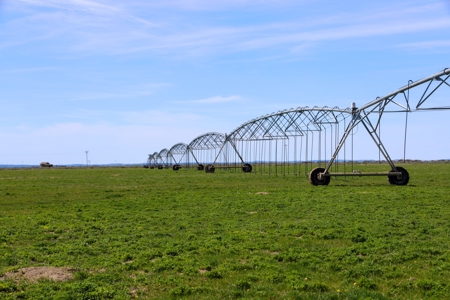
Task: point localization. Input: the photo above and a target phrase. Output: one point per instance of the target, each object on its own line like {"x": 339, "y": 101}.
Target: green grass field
{"x": 158, "y": 234}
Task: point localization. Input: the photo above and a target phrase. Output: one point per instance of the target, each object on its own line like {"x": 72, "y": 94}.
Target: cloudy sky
{"x": 123, "y": 79}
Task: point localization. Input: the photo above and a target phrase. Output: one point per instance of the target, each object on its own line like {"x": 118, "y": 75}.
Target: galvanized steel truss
{"x": 202, "y": 147}
{"x": 304, "y": 122}
{"x": 177, "y": 152}
{"x": 407, "y": 99}
{"x": 289, "y": 123}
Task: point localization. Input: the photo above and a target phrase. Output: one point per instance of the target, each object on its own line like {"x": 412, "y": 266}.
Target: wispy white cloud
{"x": 93, "y": 7}
{"x": 117, "y": 31}
{"x": 436, "y": 45}
{"x": 205, "y": 5}
{"x": 345, "y": 32}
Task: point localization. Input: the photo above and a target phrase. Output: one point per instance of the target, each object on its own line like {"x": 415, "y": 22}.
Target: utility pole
{"x": 87, "y": 160}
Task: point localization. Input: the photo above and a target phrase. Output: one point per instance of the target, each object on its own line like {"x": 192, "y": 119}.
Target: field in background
{"x": 139, "y": 233}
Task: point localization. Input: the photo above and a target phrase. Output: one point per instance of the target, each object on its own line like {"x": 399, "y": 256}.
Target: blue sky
{"x": 123, "y": 79}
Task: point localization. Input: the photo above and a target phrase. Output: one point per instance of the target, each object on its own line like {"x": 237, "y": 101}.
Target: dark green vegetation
{"x": 160, "y": 234}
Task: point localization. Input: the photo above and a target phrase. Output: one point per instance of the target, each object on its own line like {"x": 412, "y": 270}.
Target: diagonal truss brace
{"x": 227, "y": 139}
{"x": 358, "y": 118}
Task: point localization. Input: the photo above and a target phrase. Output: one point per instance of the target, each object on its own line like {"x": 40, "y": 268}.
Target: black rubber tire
{"x": 314, "y": 179}
{"x": 210, "y": 169}
{"x": 200, "y": 167}
{"x": 176, "y": 167}
{"x": 394, "y": 180}
{"x": 146, "y": 166}
{"x": 160, "y": 167}
{"x": 247, "y": 168}
{"x": 152, "y": 167}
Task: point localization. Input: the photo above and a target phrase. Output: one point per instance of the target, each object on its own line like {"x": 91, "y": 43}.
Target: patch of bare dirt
{"x": 262, "y": 193}
{"x": 33, "y": 274}
{"x": 134, "y": 292}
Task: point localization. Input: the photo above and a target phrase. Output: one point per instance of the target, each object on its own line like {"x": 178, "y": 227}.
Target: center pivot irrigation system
{"x": 315, "y": 142}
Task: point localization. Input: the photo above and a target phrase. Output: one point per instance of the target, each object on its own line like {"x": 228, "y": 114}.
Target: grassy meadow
{"x": 159, "y": 234}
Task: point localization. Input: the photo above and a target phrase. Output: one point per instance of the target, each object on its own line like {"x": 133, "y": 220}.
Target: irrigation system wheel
{"x": 200, "y": 167}
{"x": 210, "y": 169}
{"x": 396, "y": 180}
{"x": 247, "y": 168}
{"x": 160, "y": 167}
{"x": 314, "y": 177}
{"x": 176, "y": 167}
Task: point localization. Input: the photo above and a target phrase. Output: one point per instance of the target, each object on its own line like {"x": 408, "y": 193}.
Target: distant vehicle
{"x": 45, "y": 164}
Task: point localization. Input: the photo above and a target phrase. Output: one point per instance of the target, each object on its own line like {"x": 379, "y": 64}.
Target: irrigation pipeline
{"x": 315, "y": 142}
